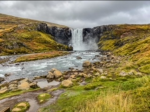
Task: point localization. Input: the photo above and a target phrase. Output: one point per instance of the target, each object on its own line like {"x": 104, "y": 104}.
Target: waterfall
{"x": 77, "y": 41}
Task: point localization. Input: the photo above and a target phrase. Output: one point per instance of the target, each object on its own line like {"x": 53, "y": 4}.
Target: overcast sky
{"x": 78, "y": 14}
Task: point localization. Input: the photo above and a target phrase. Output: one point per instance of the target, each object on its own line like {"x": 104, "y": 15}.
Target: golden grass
{"x": 39, "y": 56}
{"x": 109, "y": 102}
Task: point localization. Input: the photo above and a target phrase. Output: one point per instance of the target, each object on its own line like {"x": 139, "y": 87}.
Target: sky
{"x": 80, "y": 14}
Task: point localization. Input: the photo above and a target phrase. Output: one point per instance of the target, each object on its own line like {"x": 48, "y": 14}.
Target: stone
{"x": 13, "y": 87}
{"x": 96, "y": 74}
{"x": 78, "y": 57}
{"x": 103, "y": 77}
{"x": 73, "y": 76}
{"x": 57, "y": 74}
{"x": 86, "y": 64}
{"x": 33, "y": 85}
{"x": 52, "y": 70}
{"x": 16, "y": 109}
{"x": 4, "y": 89}
{"x": 2, "y": 79}
{"x": 7, "y": 74}
{"x": 50, "y": 75}
{"x": 100, "y": 71}
{"x": 66, "y": 83}
{"x": 24, "y": 85}
{"x": 123, "y": 73}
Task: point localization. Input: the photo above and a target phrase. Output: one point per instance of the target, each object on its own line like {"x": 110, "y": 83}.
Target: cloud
{"x": 80, "y": 13}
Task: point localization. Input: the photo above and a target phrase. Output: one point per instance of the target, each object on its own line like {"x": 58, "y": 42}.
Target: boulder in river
{"x": 78, "y": 57}
{"x": 66, "y": 83}
{"x": 57, "y": 74}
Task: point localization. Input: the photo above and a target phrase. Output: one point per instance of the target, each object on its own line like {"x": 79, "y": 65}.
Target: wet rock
{"x": 53, "y": 69}
{"x": 50, "y": 75}
{"x": 33, "y": 85}
{"x": 66, "y": 83}
{"x": 86, "y": 64}
{"x": 2, "y": 79}
{"x": 78, "y": 57}
{"x": 7, "y": 74}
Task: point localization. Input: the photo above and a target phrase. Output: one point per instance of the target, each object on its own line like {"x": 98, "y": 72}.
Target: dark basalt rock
{"x": 61, "y": 35}
{"x": 96, "y": 32}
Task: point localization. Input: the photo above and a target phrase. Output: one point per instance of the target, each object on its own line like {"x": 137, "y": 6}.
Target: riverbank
{"x": 40, "y": 56}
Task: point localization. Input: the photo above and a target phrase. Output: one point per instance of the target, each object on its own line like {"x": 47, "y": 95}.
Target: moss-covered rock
{"x": 21, "y": 107}
{"x": 43, "y": 97}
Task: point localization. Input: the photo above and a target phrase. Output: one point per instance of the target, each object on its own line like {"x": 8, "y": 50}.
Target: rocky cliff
{"x": 60, "y": 34}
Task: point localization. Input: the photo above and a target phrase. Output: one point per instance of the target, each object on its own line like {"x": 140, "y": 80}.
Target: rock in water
{"x": 66, "y": 83}
{"x": 57, "y": 74}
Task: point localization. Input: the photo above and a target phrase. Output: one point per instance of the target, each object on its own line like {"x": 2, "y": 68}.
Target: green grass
{"x": 15, "y": 93}
{"x": 43, "y": 97}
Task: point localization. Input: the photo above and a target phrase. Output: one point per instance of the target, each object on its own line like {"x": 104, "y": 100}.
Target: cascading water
{"x": 77, "y": 41}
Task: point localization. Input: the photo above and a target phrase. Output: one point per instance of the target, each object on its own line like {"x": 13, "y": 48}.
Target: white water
{"x": 77, "y": 41}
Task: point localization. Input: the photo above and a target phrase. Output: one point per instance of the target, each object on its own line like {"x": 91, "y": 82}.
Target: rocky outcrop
{"x": 96, "y": 32}
{"x": 61, "y": 35}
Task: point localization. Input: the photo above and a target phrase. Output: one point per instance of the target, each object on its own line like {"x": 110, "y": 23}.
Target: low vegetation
{"x": 39, "y": 56}
{"x": 43, "y": 97}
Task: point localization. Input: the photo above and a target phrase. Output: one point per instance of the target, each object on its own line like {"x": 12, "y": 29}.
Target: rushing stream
{"x": 41, "y": 67}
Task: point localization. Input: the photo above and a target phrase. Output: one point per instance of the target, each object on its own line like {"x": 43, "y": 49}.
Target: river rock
{"x": 2, "y": 79}
{"x": 33, "y": 85}
{"x": 50, "y": 75}
{"x": 24, "y": 85}
{"x": 103, "y": 77}
{"x": 86, "y": 64}
{"x": 4, "y": 89}
{"x": 123, "y": 73}
{"x": 13, "y": 87}
{"x": 57, "y": 74}
{"x": 53, "y": 69}
{"x": 78, "y": 57}
{"x": 66, "y": 83}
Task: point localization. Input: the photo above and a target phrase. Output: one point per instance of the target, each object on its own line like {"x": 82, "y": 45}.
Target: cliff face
{"x": 96, "y": 32}
{"x": 61, "y": 35}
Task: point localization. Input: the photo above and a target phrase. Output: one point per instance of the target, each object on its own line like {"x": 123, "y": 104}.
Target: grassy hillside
{"x": 130, "y": 41}
{"x": 18, "y": 35}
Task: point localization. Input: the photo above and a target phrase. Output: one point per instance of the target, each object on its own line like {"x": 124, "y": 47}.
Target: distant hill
{"x": 19, "y": 35}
